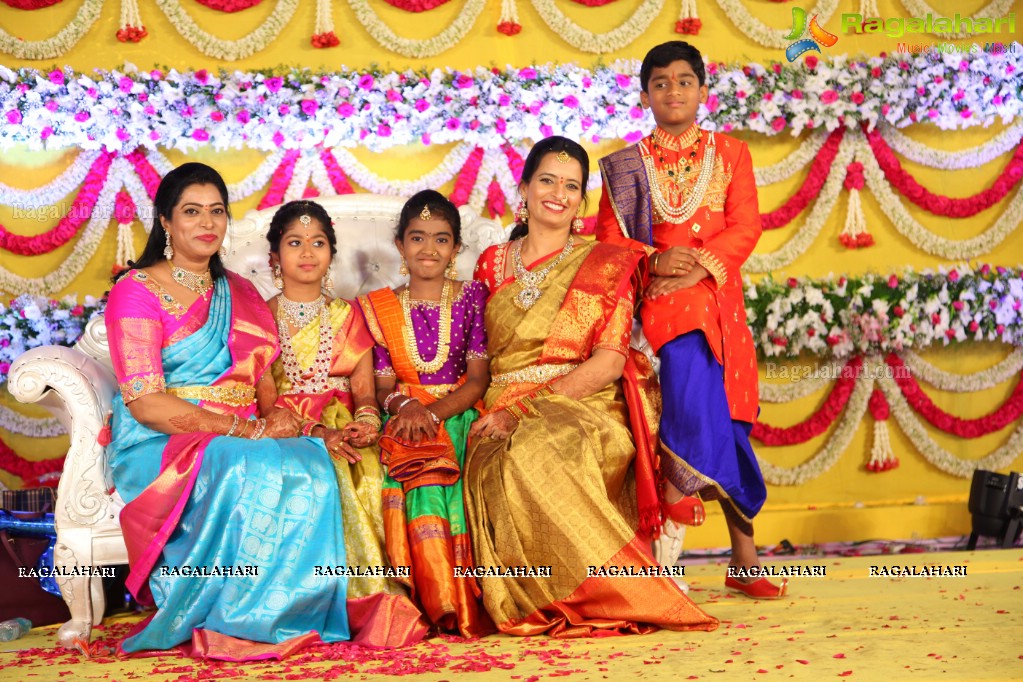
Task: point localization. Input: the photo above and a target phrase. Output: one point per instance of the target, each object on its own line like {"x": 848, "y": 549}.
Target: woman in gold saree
{"x": 553, "y": 478}
{"x": 324, "y": 374}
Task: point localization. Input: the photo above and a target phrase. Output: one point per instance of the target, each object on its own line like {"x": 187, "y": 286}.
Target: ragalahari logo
{"x": 818, "y": 36}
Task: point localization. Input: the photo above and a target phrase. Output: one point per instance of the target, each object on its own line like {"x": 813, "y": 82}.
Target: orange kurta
{"x": 724, "y": 229}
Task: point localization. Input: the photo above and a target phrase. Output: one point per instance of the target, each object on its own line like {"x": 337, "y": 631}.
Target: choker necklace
{"x": 443, "y": 331}
{"x": 299, "y": 313}
{"x": 530, "y": 280}
{"x": 313, "y": 381}
{"x": 200, "y": 283}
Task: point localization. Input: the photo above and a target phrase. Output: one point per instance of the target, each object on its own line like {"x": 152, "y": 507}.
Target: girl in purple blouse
{"x": 431, "y": 367}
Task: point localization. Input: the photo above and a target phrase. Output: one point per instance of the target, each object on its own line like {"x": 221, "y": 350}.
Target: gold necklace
{"x": 443, "y": 332}
{"x": 530, "y": 280}
{"x": 689, "y": 206}
{"x": 300, "y": 312}
{"x": 198, "y": 282}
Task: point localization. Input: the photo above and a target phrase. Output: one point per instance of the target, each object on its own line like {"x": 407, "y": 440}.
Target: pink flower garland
{"x": 935, "y": 203}
{"x": 495, "y": 199}
{"x": 416, "y": 5}
{"x": 811, "y": 187}
{"x": 280, "y": 180}
{"x": 337, "y": 177}
{"x": 229, "y": 5}
{"x": 13, "y": 463}
{"x": 467, "y": 178}
{"x": 147, "y": 174}
{"x": 819, "y": 421}
{"x": 1007, "y": 412}
{"x": 80, "y": 211}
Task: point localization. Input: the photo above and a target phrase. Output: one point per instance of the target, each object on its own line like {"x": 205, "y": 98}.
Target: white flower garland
{"x": 53, "y": 191}
{"x": 799, "y": 387}
{"x": 999, "y": 458}
{"x": 229, "y": 50}
{"x": 965, "y": 383}
{"x": 994, "y": 9}
{"x": 441, "y": 175}
{"x": 299, "y": 178}
{"x": 488, "y": 167}
{"x": 753, "y": 28}
{"x": 808, "y": 231}
{"x": 837, "y": 443}
{"x": 15, "y": 422}
{"x": 56, "y": 46}
{"x": 599, "y": 43}
{"x": 923, "y": 238}
{"x": 417, "y": 49}
{"x": 793, "y": 162}
{"x": 85, "y": 247}
{"x": 1004, "y": 142}
{"x": 160, "y": 163}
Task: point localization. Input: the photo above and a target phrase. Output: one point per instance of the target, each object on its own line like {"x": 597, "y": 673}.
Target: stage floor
{"x": 842, "y": 624}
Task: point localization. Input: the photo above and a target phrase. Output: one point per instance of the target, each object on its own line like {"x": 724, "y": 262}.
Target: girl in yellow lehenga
{"x": 325, "y": 374}
{"x": 553, "y": 479}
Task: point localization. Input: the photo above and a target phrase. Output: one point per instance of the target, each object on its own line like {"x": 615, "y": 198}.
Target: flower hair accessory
{"x": 425, "y": 213}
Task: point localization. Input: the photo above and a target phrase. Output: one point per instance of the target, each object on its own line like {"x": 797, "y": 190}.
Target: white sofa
{"x": 77, "y": 384}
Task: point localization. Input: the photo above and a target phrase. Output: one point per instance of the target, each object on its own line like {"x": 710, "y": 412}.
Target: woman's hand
{"x": 360, "y": 435}
{"x": 496, "y": 425}
{"x": 282, "y": 423}
{"x": 338, "y": 448}
{"x": 414, "y": 423}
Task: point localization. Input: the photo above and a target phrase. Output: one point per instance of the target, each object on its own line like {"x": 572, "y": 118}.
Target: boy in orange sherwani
{"x": 687, "y": 197}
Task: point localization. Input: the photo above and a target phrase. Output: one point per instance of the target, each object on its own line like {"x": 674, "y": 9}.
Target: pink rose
{"x": 393, "y": 95}
{"x": 829, "y": 96}
{"x": 778, "y": 124}
{"x": 200, "y": 135}
{"x": 274, "y": 83}
{"x": 422, "y": 105}
{"x": 243, "y": 116}
{"x": 57, "y": 77}
{"x": 309, "y": 107}
{"x": 571, "y": 102}
{"x": 857, "y": 98}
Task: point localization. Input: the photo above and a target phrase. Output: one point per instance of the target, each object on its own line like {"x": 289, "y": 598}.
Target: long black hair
{"x": 172, "y": 186}
{"x": 550, "y": 145}
{"x": 439, "y": 206}
{"x": 287, "y": 213}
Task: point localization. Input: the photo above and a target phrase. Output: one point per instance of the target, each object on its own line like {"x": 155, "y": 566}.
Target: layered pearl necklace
{"x": 689, "y": 206}
{"x": 443, "y": 331}
{"x": 530, "y": 280}
{"x": 314, "y": 380}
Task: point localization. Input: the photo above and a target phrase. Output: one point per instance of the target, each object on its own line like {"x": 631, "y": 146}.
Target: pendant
{"x": 528, "y": 297}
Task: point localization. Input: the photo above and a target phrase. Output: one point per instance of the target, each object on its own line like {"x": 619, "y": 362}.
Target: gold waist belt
{"x": 235, "y": 396}
{"x": 536, "y": 374}
{"x": 343, "y": 384}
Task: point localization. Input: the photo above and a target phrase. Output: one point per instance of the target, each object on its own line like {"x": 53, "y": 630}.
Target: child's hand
{"x": 662, "y": 286}
{"x": 677, "y": 261}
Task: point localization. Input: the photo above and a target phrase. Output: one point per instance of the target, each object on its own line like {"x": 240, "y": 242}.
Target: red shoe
{"x": 762, "y": 588}
{"x": 687, "y": 511}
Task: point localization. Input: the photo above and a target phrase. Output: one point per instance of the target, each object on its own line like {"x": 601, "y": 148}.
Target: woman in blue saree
{"x": 228, "y": 516}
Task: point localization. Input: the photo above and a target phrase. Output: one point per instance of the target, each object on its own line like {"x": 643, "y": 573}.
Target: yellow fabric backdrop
{"x": 835, "y": 494}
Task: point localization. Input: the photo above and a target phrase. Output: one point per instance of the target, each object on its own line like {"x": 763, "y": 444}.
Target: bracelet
{"x": 372, "y": 421}
{"x": 514, "y": 411}
{"x": 308, "y": 426}
{"x": 397, "y": 410}
{"x": 434, "y": 417}
{"x": 234, "y": 425}
{"x": 367, "y": 409}
{"x": 257, "y": 433}
{"x": 389, "y": 398}
{"x": 653, "y": 265}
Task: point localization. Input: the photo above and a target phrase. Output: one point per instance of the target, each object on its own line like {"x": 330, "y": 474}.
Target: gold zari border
{"x": 235, "y": 396}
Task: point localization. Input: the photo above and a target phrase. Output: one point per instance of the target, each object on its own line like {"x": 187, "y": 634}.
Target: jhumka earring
{"x": 522, "y": 213}
{"x": 451, "y": 271}
{"x": 168, "y": 251}
{"x": 222, "y": 251}
{"x": 577, "y": 223}
{"x": 278, "y": 280}
{"x": 328, "y": 280}
{"x": 403, "y": 270}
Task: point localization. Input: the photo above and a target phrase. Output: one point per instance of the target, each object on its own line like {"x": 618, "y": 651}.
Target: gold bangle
{"x": 653, "y": 266}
